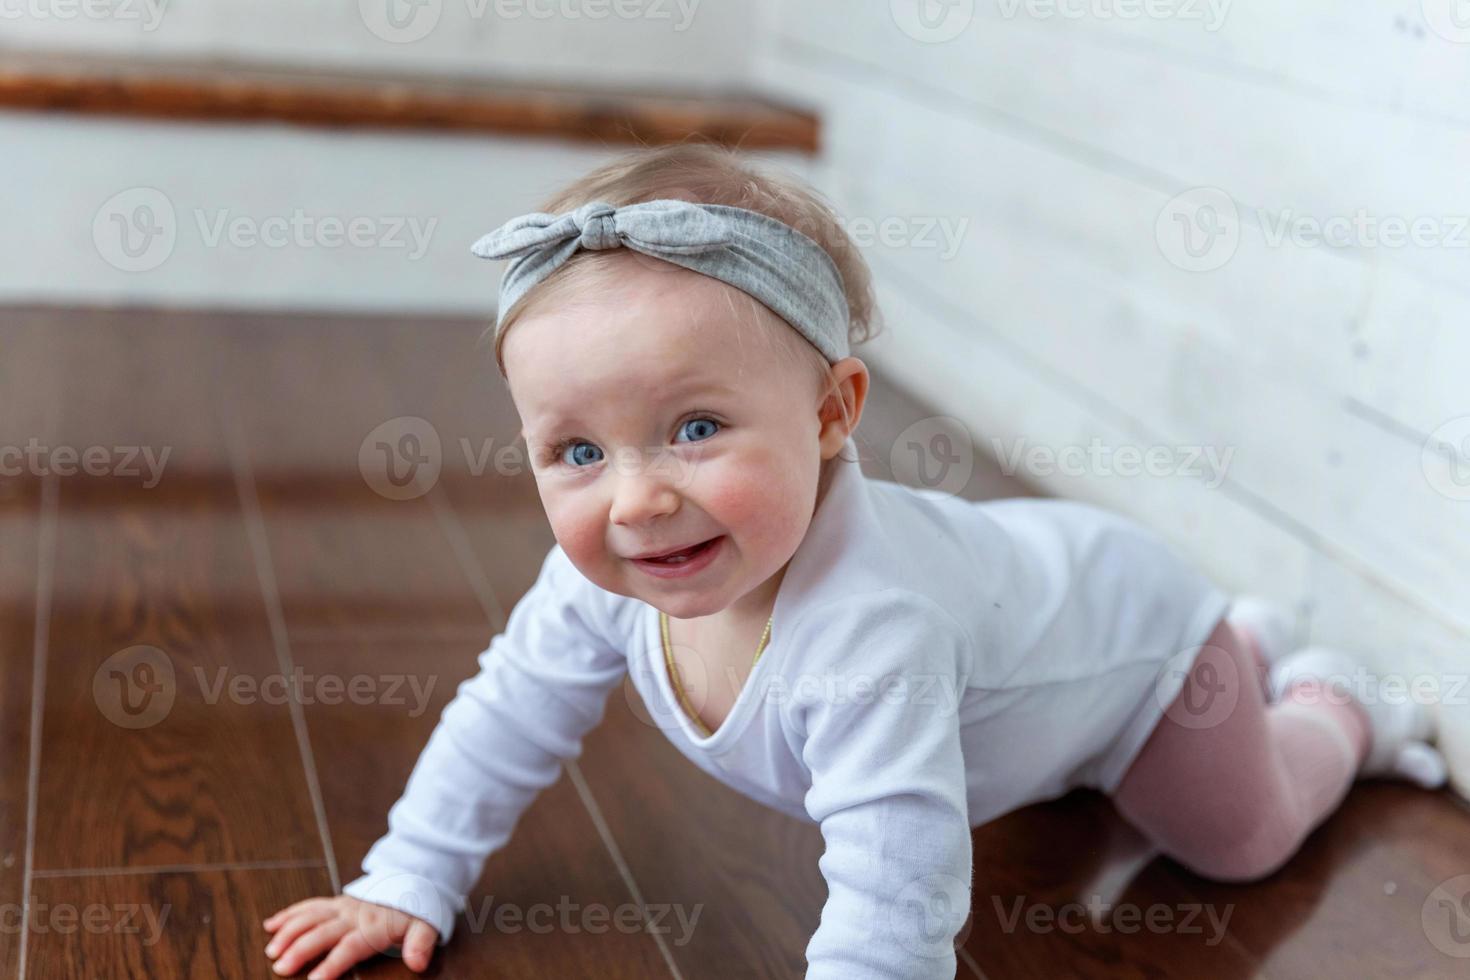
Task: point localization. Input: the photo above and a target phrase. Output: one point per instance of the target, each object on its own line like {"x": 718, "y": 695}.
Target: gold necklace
{"x": 663, "y": 625}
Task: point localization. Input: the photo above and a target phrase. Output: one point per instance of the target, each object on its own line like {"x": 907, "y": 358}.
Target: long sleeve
{"x": 888, "y": 786}
{"x": 542, "y": 684}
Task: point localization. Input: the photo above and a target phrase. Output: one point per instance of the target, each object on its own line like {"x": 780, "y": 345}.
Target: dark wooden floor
{"x": 154, "y": 817}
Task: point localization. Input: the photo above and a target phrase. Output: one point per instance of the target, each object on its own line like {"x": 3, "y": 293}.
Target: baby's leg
{"x": 1230, "y": 786}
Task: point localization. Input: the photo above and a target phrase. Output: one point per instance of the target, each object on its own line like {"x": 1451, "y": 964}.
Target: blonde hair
{"x": 707, "y": 173}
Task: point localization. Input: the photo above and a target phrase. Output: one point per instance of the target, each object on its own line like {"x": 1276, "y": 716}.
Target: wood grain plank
{"x": 200, "y": 925}
{"x": 349, "y": 560}
{"x": 1067, "y": 886}
{"x": 174, "y": 777}
{"x": 25, "y": 414}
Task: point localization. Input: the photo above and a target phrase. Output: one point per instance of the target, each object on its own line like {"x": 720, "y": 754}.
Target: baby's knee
{"x": 1249, "y": 861}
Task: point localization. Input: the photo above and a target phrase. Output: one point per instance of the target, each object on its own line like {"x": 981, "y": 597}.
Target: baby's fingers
{"x": 354, "y": 948}
{"x": 292, "y": 927}
{"x": 311, "y": 945}
{"x": 290, "y": 910}
{"x": 418, "y": 945}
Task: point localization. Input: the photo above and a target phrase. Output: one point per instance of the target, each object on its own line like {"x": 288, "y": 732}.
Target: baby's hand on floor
{"x": 352, "y": 929}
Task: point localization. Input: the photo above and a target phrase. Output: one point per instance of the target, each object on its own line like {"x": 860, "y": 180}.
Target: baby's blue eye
{"x": 708, "y": 426}
{"x": 574, "y": 446}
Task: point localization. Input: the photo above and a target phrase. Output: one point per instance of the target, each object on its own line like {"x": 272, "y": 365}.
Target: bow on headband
{"x": 786, "y": 270}
{"x": 651, "y": 227}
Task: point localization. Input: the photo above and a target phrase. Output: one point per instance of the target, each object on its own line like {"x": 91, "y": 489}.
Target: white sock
{"x": 1401, "y": 728}
{"x": 1271, "y": 623}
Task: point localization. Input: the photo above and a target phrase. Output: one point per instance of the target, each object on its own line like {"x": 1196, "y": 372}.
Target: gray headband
{"x": 778, "y": 265}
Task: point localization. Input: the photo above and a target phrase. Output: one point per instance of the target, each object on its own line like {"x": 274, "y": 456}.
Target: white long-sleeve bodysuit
{"x": 933, "y": 663}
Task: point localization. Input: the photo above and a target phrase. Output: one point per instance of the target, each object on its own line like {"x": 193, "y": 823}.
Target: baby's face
{"x": 657, "y": 416}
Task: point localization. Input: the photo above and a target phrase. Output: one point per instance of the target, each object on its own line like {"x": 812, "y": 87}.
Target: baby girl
{"x": 896, "y": 666}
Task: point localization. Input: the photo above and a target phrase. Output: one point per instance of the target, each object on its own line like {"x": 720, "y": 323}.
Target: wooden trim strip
{"x": 236, "y": 93}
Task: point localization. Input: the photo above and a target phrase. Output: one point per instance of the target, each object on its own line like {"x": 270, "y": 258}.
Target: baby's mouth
{"x": 681, "y": 556}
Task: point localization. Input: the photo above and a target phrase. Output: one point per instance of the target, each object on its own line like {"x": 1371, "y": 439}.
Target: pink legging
{"x": 1230, "y": 786}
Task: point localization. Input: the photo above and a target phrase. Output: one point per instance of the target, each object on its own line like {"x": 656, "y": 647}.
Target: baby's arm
{"x": 542, "y": 684}
{"x": 889, "y": 790}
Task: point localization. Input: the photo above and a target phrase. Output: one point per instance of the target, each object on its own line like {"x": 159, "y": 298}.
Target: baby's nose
{"x": 641, "y": 496}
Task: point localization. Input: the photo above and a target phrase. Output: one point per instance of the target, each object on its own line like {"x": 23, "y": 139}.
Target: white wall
{"x": 1062, "y": 151}
{"x": 259, "y": 216}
